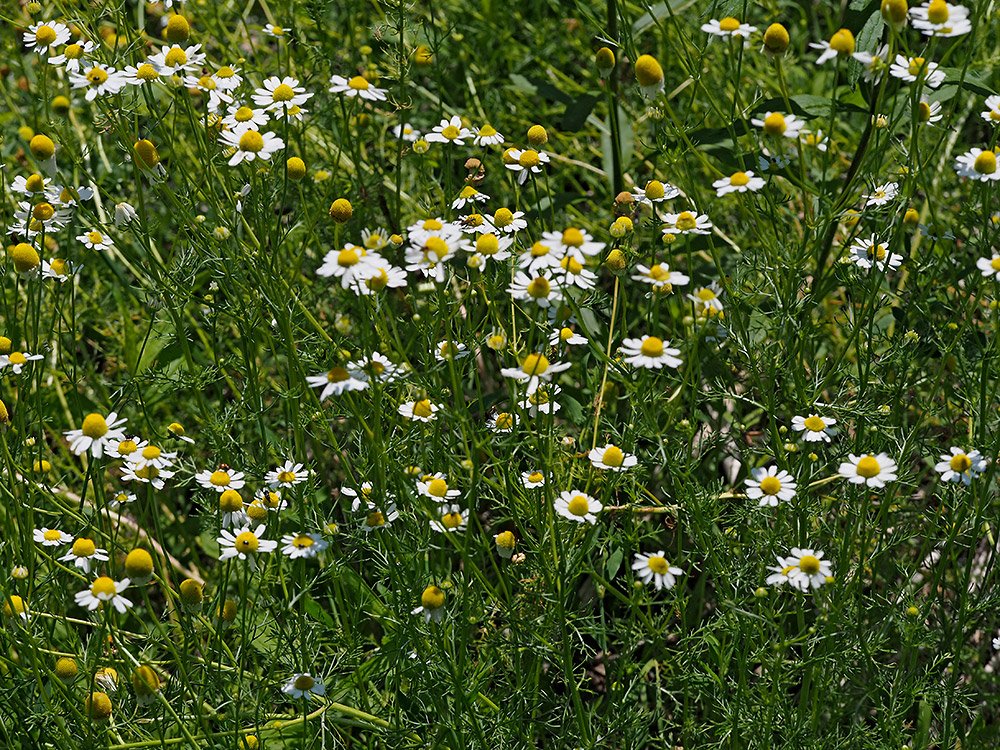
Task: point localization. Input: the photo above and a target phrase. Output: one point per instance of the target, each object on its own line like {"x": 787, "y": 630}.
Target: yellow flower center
{"x": 43, "y": 212}
{"x": 652, "y": 347}
{"x": 505, "y": 421}
{"x": 924, "y": 111}
{"x": 251, "y": 141}
{"x": 739, "y": 179}
{"x": 985, "y": 163}
{"x": 770, "y": 485}
{"x": 539, "y": 288}
{"x": 503, "y": 217}
{"x": 814, "y": 423}
{"x": 17, "y": 358}
{"x": 450, "y": 132}
{"x": 247, "y": 542}
{"x": 94, "y": 426}
{"x": 487, "y": 244}
{"x": 148, "y": 472}
{"x": 774, "y": 124}
{"x": 916, "y": 66}
{"x": 84, "y": 547}
{"x": 151, "y": 452}
{"x": 348, "y": 257}
{"x": 337, "y": 375}
{"x": 571, "y": 265}
{"x": 303, "y": 541}
{"x": 432, "y": 598}
{"x": 937, "y": 11}
{"x": 705, "y": 294}
{"x": 176, "y": 57}
{"x": 535, "y": 477}
{"x": 654, "y": 190}
{"x": 529, "y": 158}
{"x": 375, "y": 518}
{"x": 219, "y": 478}
{"x": 842, "y": 42}
{"x": 572, "y": 237}
{"x": 435, "y": 248}
{"x": 657, "y": 564}
{"x": 283, "y": 93}
{"x": 35, "y": 183}
{"x": 451, "y": 520}
{"x": 422, "y": 408}
{"x": 877, "y": 251}
{"x": 687, "y": 221}
{"x": 539, "y": 249}
{"x": 729, "y": 24}
{"x": 103, "y": 588}
{"x": 613, "y": 456}
{"x": 437, "y": 487}
{"x": 59, "y": 266}
{"x": 146, "y": 72}
{"x": 358, "y": 83}
{"x": 995, "y": 263}
{"x": 578, "y": 505}
{"x": 286, "y": 476}
{"x": 809, "y": 564}
{"x": 225, "y": 72}
{"x": 96, "y": 76}
{"x": 45, "y": 35}
{"x": 868, "y": 467}
{"x": 73, "y": 51}
{"x": 304, "y": 682}
{"x": 535, "y": 364}
{"x": 378, "y": 282}
{"x": 230, "y": 501}
{"x": 52, "y": 535}
{"x": 487, "y": 131}
{"x": 960, "y": 463}
{"x": 243, "y": 114}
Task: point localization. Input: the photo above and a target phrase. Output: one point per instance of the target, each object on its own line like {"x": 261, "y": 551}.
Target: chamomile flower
{"x": 378, "y": 367}
{"x": 205, "y": 84}
{"x": 105, "y": 590}
{"x": 806, "y": 568}
{"x": 17, "y": 361}
{"x": 221, "y": 479}
{"x": 538, "y": 288}
{"x": 566, "y": 336}
{"x": 814, "y": 428}
{"x": 502, "y": 421}
{"x": 491, "y": 247}
{"x": 881, "y": 195}
{"x": 815, "y": 140}
{"x": 376, "y": 518}
{"x": 33, "y": 184}
{"x": 770, "y": 486}
{"x": 650, "y": 352}
{"x": 912, "y": 69}
{"x": 612, "y": 458}
{"x": 532, "y": 479}
{"x": 175, "y": 59}
{"x": 655, "y": 192}
{"x": 447, "y": 350}
{"x": 51, "y": 537}
{"x": 146, "y": 474}
{"x": 960, "y": 466}
{"x": 841, "y": 44}
{"x": 990, "y": 266}
{"x": 98, "y": 80}
{"x": 526, "y": 163}
{"x": 728, "y": 26}
{"x": 573, "y": 241}
{"x": 303, "y": 685}
{"x": 227, "y": 78}
{"x": 406, "y": 132}
{"x": 242, "y": 116}
{"x": 249, "y": 144}
{"x": 653, "y": 567}
{"x": 535, "y": 368}
{"x": 151, "y": 455}
{"x": 347, "y": 264}
{"x": 991, "y": 114}
{"x": 423, "y": 410}
{"x": 578, "y": 506}
{"x": 505, "y": 221}
{"x": 356, "y": 86}
{"x": 738, "y": 182}
{"x": 686, "y": 222}
{"x": 451, "y": 518}
{"x": 435, "y": 486}
{"x": 659, "y": 276}
{"x": 95, "y": 434}
{"x": 280, "y": 94}
{"x": 977, "y": 164}
{"x": 449, "y": 131}
{"x": 95, "y": 240}
{"x": 487, "y": 135}
{"x": 871, "y": 470}
{"x": 42, "y": 37}
{"x": 142, "y": 74}
{"x": 272, "y": 30}
{"x": 431, "y": 604}
{"x": 287, "y": 475}
{"x": 83, "y": 552}
{"x": 336, "y": 381}
{"x": 467, "y": 197}
{"x": 74, "y": 55}
{"x": 302, "y": 546}
{"x": 233, "y": 510}
{"x": 541, "y": 401}
{"x": 244, "y": 544}
{"x": 871, "y": 252}
{"x": 121, "y": 498}
{"x": 428, "y": 254}
{"x": 929, "y": 113}
{"x": 938, "y": 18}
{"x": 779, "y": 125}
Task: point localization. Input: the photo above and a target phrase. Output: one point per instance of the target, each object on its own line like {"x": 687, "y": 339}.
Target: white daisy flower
{"x": 487, "y": 135}
{"x": 95, "y": 240}
{"x": 541, "y": 401}
{"x": 83, "y": 552}
{"x": 249, "y": 144}
{"x": 357, "y": 86}
{"x": 655, "y": 192}
{"x": 451, "y": 518}
{"x": 467, "y": 197}
{"x": 502, "y": 421}
{"x": 807, "y": 568}
{"x": 941, "y": 19}
{"x": 42, "y": 37}
{"x": 650, "y": 352}
{"x": 977, "y": 164}
{"x": 51, "y": 537}
{"x": 566, "y": 336}
{"x": 423, "y": 410}
{"x": 868, "y": 469}
{"x": 431, "y": 604}
{"x": 303, "y": 685}
{"x": 505, "y": 221}
{"x": 577, "y": 506}
{"x": 98, "y": 79}
{"x": 449, "y": 131}
{"x": 881, "y": 195}
{"x": 770, "y": 485}
{"x": 74, "y": 55}
{"x": 435, "y": 486}
{"x": 227, "y": 78}
{"x": 336, "y": 381}
{"x": 869, "y": 252}
{"x": 532, "y": 479}
{"x": 288, "y": 474}
{"x": 612, "y": 458}
{"x": 960, "y": 466}
{"x": 280, "y": 94}
{"x": 105, "y": 590}
{"x": 95, "y": 434}
{"x": 814, "y": 428}
{"x": 221, "y": 479}
{"x": 728, "y": 26}
{"x": 654, "y": 567}
{"x": 534, "y": 369}
{"x": 302, "y": 546}
{"x": 778, "y": 124}
{"x": 526, "y": 163}
{"x": 406, "y": 132}
{"x": 991, "y": 114}
{"x": 244, "y": 544}
{"x": 738, "y": 182}
{"x": 242, "y": 116}
{"x": 17, "y": 361}
{"x": 175, "y": 59}
{"x": 912, "y": 69}
{"x": 537, "y": 288}
{"x": 659, "y": 276}
{"x": 686, "y": 222}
